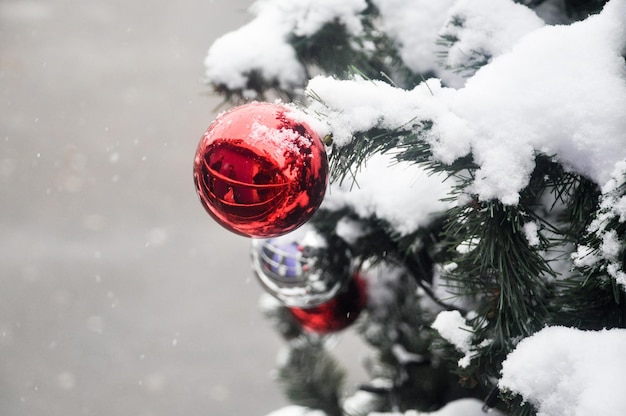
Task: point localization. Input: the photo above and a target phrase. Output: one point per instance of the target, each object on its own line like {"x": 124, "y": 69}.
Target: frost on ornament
{"x": 259, "y": 171}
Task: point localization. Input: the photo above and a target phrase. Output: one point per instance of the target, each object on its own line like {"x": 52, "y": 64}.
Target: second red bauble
{"x": 259, "y": 171}
{"x": 337, "y": 313}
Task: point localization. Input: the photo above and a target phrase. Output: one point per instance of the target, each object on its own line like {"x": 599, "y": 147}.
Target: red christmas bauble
{"x": 259, "y": 172}
{"x": 336, "y": 314}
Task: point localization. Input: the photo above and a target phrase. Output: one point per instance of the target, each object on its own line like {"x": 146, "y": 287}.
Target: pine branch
{"x": 591, "y": 304}
{"x": 332, "y": 50}
{"x": 406, "y": 143}
{"x": 398, "y": 330}
{"x": 263, "y": 89}
{"x": 581, "y": 9}
{"x": 595, "y": 297}
{"x": 500, "y": 265}
{"x": 311, "y": 377}
{"x": 448, "y": 38}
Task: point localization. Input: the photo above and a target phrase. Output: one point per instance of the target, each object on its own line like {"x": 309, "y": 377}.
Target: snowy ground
{"x": 118, "y": 294}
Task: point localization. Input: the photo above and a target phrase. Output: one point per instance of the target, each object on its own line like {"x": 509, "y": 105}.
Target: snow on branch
{"x": 384, "y": 188}
{"x": 262, "y": 46}
{"x": 560, "y": 91}
{"x": 452, "y": 327}
{"x": 479, "y": 30}
{"x": 414, "y": 26}
{"x": 605, "y": 250}
{"x": 565, "y": 371}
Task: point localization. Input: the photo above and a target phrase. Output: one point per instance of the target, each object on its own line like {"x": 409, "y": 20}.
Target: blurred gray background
{"x": 118, "y": 294}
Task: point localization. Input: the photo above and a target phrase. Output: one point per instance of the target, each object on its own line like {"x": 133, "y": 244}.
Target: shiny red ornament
{"x": 259, "y": 172}
{"x": 337, "y": 313}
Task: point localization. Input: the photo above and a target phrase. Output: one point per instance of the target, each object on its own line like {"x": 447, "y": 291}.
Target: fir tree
{"x": 513, "y": 115}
